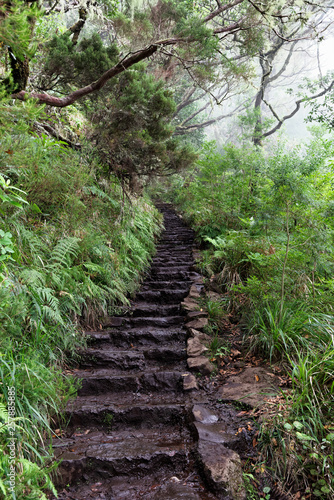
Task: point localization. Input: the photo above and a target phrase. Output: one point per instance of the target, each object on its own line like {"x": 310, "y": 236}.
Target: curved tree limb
{"x": 298, "y": 103}
{"x": 128, "y": 61}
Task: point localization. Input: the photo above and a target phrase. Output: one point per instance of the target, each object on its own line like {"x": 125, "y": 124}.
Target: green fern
{"x": 64, "y": 251}
{"x": 101, "y": 194}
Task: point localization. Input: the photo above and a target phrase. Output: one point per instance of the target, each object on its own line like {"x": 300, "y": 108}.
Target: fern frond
{"x": 33, "y": 277}
{"x": 64, "y": 251}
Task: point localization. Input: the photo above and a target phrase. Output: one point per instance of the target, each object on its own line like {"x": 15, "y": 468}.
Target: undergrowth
{"x": 264, "y": 219}
{"x": 72, "y": 249}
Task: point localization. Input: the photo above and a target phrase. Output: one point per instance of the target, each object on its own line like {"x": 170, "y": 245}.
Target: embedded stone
{"x": 189, "y": 382}
{"x": 196, "y": 314}
{"x": 198, "y": 324}
{"x": 195, "y": 347}
{"x": 202, "y": 337}
{"x": 222, "y": 469}
{"x": 213, "y": 295}
{"x": 190, "y": 304}
{"x": 253, "y": 386}
{"x": 193, "y": 292}
{"x": 216, "y": 433}
{"x": 200, "y": 364}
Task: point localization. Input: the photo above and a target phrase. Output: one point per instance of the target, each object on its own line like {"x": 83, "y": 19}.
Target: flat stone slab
{"x": 198, "y": 323}
{"x": 215, "y": 433}
{"x": 195, "y": 347}
{"x": 200, "y": 364}
{"x": 222, "y": 469}
{"x": 202, "y": 337}
{"x": 196, "y": 314}
{"x": 176, "y": 490}
{"x": 252, "y": 386}
{"x": 189, "y": 382}
{"x": 190, "y": 304}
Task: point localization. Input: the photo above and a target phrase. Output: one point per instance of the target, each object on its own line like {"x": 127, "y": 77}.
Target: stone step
{"x": 135, "y": 359}
{"x": 120, "y": 411}
{"x": 136, "y": 337}
{"x": 171, "y": 261}
{"x": 126, "y": 322}
{"x": 158, "y": 269}
{"x": 149, "y": 309}
{"x": 166, "y": 285}
{"x": 169, "y": 274}
{"x": 102, "y": 381}
{"x": 174, "y": 296}
{"x": 160, "y": 322}
{"x": 102, "y": 456}
{"x": 159, "y": 486}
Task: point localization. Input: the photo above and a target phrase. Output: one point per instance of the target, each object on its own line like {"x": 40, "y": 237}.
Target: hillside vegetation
{"x": 266, "y": 221}
{"x": 73, "y": 248}
{"x": 100, "y": 101}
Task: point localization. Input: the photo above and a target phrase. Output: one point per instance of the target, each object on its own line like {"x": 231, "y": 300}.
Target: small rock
{"x": 193, "y": 292}
{"x": 252, "y": 386}
{"x": 203, "y": 415}
{"x": 197, "y": 254}
{"x": 200, "y": 364}
{"x": 213, "y": 295}
{"x": 175, "y": 491}
{"x": 195, "y": 348}
{"x": 190, "y": 304}
{"x": 196, "y": 314}
{"x": 222, "y": 468}
{"x": 202, "y": 337}
{"x": 197, "y": 324}
{"x": 190, "y": 383}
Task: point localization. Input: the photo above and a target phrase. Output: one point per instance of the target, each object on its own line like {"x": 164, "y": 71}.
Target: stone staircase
{"x": 130, "y": 434}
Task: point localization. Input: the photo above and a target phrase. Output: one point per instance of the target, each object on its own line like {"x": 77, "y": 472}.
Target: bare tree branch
{"x": 298, "y": 103}
{"x": 77, "y": 27}
{"x": 181, "y": 130}
{"x": 221, "y": 9}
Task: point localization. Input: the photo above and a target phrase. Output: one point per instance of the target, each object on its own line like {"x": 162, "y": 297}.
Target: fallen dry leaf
{"x": 257, "y": 378}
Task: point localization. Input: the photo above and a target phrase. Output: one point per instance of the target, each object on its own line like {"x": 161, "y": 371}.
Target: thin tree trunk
{"x": 285, "y": 261}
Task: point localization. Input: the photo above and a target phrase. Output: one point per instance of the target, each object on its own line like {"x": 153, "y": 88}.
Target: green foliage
{"x": 74, "y": 248}
{"x": 15, "y": 27}
{"x": 135, "y": 136}
{"x": 67, "y": 64}
{"x": 267, "y": 222}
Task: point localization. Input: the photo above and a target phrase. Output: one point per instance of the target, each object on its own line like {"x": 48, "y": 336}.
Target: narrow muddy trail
{"x": 131, "y": 433}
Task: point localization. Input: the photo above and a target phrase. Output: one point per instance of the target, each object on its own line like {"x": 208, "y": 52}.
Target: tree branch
{"x": 77, "y": 27}
{"x": 53, "y": 132}
{"x": 128, "y": 61}
{"x": 181, "y": 130}
{"x": 297, "y": 108}
{"x": 221, "y": 9}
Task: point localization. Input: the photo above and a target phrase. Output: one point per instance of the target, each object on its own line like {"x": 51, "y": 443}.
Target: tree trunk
{"x": 19, "y": 71}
